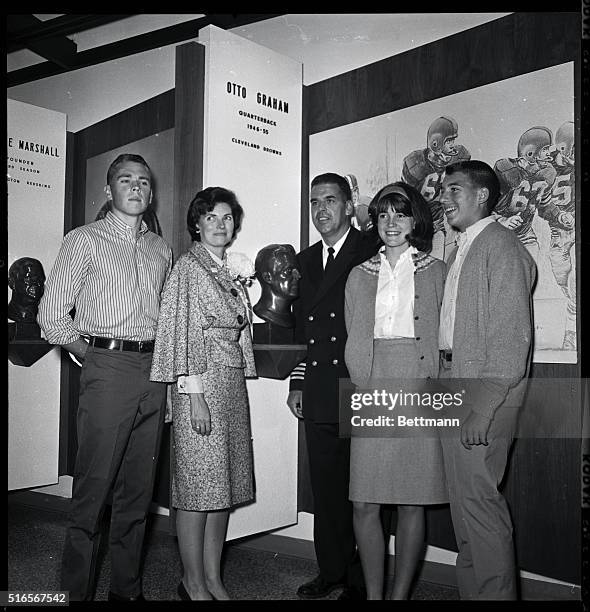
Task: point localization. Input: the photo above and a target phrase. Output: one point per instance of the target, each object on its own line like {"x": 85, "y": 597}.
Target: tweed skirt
{"x": 407, "y": 471}
{"x": 213, "y": 472}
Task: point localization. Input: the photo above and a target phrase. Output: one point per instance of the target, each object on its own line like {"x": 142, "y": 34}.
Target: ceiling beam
{"x": 137, "y": 44}
{"x": 21, "y": 30}
{"x": 59, "y": 50}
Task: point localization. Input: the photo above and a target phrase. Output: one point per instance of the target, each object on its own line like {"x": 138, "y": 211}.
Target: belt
{"x": 113, "y": 344}
{"x": 446, "y": 355}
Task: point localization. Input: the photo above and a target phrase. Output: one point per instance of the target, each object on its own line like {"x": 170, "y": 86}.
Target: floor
{"x": 35, "y": 544}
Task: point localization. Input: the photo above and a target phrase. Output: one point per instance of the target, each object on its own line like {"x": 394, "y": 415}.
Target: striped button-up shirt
{"x": 111, "y": 277}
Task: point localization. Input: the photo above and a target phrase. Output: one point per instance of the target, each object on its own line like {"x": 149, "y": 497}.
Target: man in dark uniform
{"x": 313, "y": 395}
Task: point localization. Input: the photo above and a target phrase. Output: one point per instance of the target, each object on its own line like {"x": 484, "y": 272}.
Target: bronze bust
{"x": 27, "y": 281}
{"x": 26, "y": 278}
{"x": 278, "y": 274}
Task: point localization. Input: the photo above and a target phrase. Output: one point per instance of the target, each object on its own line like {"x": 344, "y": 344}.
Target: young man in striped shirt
{"x": 111, "y": 272}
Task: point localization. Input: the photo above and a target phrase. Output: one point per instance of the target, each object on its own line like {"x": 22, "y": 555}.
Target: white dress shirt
{"x": 449, "y": 303}
{"x": 336, "y": 248}
{"x": 394, "y": 305}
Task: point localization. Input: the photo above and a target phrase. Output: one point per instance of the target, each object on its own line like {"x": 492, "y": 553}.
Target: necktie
{"x": 329, "y": 261}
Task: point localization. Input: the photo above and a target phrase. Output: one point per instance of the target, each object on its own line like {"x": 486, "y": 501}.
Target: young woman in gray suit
{"x": 204, "y": 348}
{"x": 392, "y": 305}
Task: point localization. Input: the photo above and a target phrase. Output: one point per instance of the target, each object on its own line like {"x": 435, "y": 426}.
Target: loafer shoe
{"x": 318, "y": 587}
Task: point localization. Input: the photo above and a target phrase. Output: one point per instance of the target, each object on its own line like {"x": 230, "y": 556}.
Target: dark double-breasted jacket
{"x": 319, "y": 323}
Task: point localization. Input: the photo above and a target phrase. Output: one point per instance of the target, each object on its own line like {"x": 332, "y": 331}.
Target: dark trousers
{"x": 120, "y": 418}
{"x": 333, "y": 534}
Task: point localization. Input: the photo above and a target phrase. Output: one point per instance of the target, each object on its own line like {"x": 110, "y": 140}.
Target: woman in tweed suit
{"x": 392, "y": 305}
{"x": 204, "y": 348}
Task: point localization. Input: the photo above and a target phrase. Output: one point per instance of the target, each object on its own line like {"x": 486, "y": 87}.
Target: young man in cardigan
{"x": 485, "y": 334}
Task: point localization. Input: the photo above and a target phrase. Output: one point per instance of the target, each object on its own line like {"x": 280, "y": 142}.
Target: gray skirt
{"x": 407, "y": 471}
{"x": 213, "y": 472}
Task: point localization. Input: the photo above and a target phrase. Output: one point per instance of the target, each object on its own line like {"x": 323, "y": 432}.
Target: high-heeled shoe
{"x": 182, "y": 592}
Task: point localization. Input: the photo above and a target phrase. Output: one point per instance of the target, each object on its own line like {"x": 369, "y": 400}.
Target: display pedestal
{"x": 25, "y": 345}
{"x": 278, "y": 360}
{"x": 274, "y": 351}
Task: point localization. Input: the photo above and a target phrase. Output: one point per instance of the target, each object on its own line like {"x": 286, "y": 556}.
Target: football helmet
{"x": 354, "y": 187}
{"x": 564, "y": 141}
{"x": 441, "y": 136}
{"x": 353, "y": 183}
{"x": 534, "y": 147}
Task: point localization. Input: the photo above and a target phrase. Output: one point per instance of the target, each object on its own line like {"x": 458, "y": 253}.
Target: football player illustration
{"x": 560, "y": 214}
{"x": 424, "y": 169}
{"x": 525, "y": 184}
{"x": 360, "y": 219}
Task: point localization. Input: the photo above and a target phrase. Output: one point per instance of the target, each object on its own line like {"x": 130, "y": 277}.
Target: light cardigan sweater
{"x": 359, "y": 314}
{"x": 492, "y": 337}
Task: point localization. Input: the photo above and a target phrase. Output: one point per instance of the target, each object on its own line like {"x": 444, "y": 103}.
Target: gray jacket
{"x": 492, "y": 338}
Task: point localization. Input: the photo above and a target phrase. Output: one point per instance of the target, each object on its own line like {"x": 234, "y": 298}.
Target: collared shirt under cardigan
{"x": 394, "y": 304}
{"x": 360, "y": 295}
{"x": 112, "y": 277}
{"x": 447, "y": 314}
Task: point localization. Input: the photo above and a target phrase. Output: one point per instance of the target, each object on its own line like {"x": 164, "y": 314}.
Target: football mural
{"x": 525, "y": 135}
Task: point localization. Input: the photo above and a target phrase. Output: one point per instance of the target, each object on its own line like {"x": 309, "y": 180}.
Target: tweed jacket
{"x": 493, "y": 333}
{"x": 202, "y": 321}
{"x": 359, "y": 312}
{"x": 319, "y": 323}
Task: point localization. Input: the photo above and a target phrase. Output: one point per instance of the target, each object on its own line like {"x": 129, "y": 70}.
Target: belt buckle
{"x": 140, "y": 346}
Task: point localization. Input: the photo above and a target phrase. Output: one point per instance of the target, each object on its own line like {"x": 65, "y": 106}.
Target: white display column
{"x": 252, "y": 145}
{"x": 36, "y": 154}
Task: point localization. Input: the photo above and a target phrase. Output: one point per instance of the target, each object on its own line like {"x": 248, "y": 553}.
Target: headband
{"x": 389, "y": 189}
